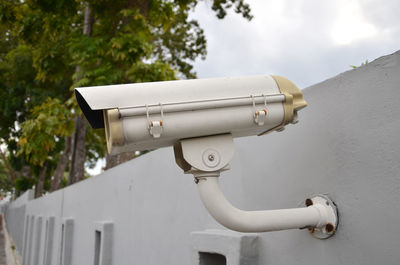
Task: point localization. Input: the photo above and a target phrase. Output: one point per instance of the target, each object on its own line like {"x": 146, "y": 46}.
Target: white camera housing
{"x": 144, "y": 116}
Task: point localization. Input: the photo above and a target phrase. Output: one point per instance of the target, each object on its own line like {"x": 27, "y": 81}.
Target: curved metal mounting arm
{"x": 319, "y": 217}
{"x": 198, "y": 156}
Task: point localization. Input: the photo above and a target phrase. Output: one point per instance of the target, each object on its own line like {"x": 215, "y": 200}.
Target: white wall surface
{"x": 346, "y": 145}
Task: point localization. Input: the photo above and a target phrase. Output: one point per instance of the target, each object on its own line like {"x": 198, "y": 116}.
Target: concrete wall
{"x": 15, "y": 214}
{"x": 147, "y": 211}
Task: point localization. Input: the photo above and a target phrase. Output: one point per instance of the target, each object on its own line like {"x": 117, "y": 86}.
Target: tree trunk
{"x": 61, "y": 166}
{"x": 72, "y": 156}
{"x": 79, "y": 147}
{"x": 40, "y": 185}
{"x": 88, "y": 21}
{"x": 79, "y": 155}
{"x": 7, "y": 165}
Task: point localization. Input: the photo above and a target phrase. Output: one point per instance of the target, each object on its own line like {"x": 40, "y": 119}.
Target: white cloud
{"x": 351, "y": 24}
{"x": 300, "y": 39}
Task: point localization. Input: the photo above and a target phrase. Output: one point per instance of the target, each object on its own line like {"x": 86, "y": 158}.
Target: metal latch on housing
{"x": 155, "y": 127}
{"x": 260, "y": 116}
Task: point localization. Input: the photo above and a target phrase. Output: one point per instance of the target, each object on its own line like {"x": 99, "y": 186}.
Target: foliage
{"x": 47, "y": 124}
{"x": 5, "y": 183}
{"x": 220, "y": 6}
{"x": 362, "y": 64}
{"x": 23, "y": 183}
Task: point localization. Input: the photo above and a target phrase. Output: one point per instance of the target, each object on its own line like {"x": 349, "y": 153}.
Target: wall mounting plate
{"x": 330, "y": 228}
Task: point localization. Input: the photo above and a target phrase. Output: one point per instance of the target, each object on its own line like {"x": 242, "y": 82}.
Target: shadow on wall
{"x": 211, "y": 259}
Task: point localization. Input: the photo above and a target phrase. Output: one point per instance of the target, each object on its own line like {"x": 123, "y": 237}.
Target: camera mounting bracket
{"x": 207, "y": 157}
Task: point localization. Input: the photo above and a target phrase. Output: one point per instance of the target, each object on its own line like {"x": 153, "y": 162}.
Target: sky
{"x": 307, "y": 41}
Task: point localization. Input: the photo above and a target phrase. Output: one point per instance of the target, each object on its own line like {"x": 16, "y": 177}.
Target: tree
{"x": 48, "y": 48}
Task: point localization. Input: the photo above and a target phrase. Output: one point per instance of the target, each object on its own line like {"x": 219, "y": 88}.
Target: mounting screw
{"x": 329, "y": 228}
{"x": 309, "y": 202}
{"x": 211, "y": 158}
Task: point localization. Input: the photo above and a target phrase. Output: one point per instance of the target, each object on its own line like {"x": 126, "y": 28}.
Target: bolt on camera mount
{"x": 207, "y": 157}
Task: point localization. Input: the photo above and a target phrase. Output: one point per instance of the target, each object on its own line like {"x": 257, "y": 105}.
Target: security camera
{"x": 146, "y": 116}
{"x": 200, "y": 118}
